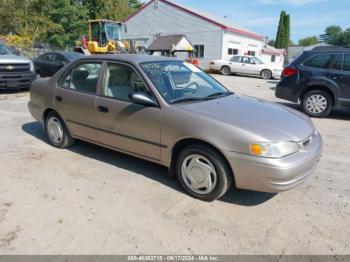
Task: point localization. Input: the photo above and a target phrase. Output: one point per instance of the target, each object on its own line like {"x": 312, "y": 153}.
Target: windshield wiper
{"x": 219, "y": 94}
{"x": 188, "y": 99}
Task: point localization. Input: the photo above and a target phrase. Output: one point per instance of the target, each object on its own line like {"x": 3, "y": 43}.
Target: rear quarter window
{"x": 346, "y": 65}
{"x": 319, "y": 61}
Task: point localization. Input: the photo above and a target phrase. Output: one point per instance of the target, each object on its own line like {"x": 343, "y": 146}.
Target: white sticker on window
{"x": 192, "y": 68}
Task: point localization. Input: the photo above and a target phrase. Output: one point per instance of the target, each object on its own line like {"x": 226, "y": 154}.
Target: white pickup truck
{"x": 16, "y": 72}
{"x": 247, "y": 65}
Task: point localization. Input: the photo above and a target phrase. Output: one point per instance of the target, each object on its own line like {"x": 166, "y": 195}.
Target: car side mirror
{"x": 142, "y": 99}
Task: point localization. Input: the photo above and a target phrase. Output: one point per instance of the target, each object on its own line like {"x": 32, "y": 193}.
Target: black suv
{"x": 318, "y": 79}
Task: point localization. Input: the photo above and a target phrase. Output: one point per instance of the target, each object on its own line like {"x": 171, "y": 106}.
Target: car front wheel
{"x": 317, "y": 103}
{"x": 203, "y": 173}
{"x": 56, "y": 131}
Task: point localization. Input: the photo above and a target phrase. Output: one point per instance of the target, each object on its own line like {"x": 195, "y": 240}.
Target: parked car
{"x": 318, "y": 80}
{"x": 16, "y": 72}
{"x": 170, "y": 112}
{"x": 247, "y": 65}
{"x": 48, "y": 64}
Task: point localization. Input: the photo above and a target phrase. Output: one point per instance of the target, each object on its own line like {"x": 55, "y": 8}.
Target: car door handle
{"x": 103, "y": 109}
{"x": 59, "y": 98}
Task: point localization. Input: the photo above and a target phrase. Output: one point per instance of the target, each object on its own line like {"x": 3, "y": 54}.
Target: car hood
{"x": 265, "y": 120}
{"x": 7, "y": 59}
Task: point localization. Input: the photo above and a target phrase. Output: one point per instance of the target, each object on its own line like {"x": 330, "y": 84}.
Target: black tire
{"x": 266, "y": 74}
{"x": 224, "y": 176}
{"x": 225, "y": 70}
{"x": 66, "y": 140}
{"x": 323, "y": 96}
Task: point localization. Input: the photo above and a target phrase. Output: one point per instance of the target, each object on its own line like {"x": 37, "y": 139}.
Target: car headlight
{"x": 274, "y": 150}
{"x": 32, "y": 67}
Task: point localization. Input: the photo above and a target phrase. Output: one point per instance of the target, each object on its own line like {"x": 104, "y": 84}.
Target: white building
{"x": 271, "y": 55}
{"x": 212, "y": 37}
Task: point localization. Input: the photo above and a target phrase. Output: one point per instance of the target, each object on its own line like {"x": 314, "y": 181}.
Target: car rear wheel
{"x": 266, "y": 74}
{"x": 56, "y": 131}
{"x": 203, "y": 173}
{"x": 226, "y": 71}
{"x": 317, "y": 103}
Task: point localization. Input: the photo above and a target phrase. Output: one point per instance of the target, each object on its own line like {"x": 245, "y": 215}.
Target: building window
{"x": 199, "y": 51}
{"x": 232, "y": 51}
{"x": 156, "y": 4}
{"x": 273, "y": 58}
{"x": 251, "y": 53}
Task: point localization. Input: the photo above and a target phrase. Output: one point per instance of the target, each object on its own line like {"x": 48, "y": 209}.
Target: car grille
{"x": 14, "y": 68}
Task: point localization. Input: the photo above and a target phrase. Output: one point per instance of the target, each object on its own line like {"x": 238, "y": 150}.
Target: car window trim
{"x": 73, "y": 66}
{"x": 104, "y": 77}
{"x": 324, "y": 69}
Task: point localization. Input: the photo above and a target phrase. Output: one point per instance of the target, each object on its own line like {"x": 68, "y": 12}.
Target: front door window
{"x": 121, "y": 81}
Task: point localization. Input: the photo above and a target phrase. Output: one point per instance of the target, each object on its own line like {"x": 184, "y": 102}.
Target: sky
{"x": 308, "y": 17}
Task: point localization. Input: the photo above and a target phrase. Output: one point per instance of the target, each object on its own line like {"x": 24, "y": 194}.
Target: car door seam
{"x": 118, "y": 134}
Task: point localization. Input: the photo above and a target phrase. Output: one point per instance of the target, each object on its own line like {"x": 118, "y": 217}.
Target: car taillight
{"x": 288, "y": 71}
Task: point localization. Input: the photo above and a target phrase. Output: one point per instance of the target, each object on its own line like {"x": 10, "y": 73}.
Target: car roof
{"x": 130, "y": 58}
{"x": 325, "y": 49}
{"x": 61, "y": 53}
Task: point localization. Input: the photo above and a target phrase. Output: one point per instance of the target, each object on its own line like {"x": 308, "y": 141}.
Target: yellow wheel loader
{"x": 105, "y": 37}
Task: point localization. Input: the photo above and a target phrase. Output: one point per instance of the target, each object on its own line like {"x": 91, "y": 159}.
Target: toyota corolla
{"x": 170, "y": 112}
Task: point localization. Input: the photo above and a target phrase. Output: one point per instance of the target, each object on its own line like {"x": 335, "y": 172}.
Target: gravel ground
{"x": 90, "y": 200}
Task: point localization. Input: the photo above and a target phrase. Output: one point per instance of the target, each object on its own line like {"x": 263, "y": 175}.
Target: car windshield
{"x": 4, "y": 50}
{"x": 180, "y": 82}
{"x": 257, "y": 60}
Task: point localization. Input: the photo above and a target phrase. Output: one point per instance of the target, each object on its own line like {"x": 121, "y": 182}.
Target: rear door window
{"x": 84, "y": 77}
{"x": 236, "y": 59}
{"x": 346, "y": 65}
{"x": 46, "y": 57}
{"x": 336, "y": 62}
{"x": 59, "y": 58}
{"x": 322, "y": 61}
{"x": 246, "y": 60}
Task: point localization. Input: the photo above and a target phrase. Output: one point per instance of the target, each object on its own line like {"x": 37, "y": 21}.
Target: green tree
{"x": 116, "y": 10}
{"x": 334, "y": 35}
{"x": 283, "y": 32}
{"x": 58, "y": 22}
{"x": 135, "y": 4}
{"x": 346, "y": 37}
{"x": 287, "y": 41}
{"x": 69, "y": 19}
{"x": 307, "y": 41}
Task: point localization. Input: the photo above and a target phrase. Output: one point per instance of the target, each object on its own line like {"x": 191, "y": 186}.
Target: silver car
{"x": 246, "y": 65}
{"x": 172, "y": 113}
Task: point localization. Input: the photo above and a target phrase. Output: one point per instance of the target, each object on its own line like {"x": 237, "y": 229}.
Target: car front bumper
{"x": 215, "y": 67}
{"x": 275, "y": 175}
{"x": 13, "y": 81}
